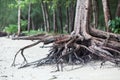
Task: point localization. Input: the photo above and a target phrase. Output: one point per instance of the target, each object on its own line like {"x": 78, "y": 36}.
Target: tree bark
{"x": 107, "y": 14}
{"x": 81, "y": 18}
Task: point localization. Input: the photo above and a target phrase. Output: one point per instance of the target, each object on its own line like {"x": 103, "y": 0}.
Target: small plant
{"x": 115, "y": 25}
{"x": 11, "y": 29}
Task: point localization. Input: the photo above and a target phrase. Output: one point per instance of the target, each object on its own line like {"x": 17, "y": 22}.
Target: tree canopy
{"x": 42, "y": 18}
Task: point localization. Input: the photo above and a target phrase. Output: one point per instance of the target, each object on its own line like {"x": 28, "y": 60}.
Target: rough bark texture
{"x": 82, "y": 18}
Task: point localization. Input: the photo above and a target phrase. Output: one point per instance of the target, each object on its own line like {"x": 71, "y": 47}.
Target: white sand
{"x": 8, "y": 48}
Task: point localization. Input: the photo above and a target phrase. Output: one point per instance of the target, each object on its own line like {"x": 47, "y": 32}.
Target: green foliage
{"x": 32, "y": 32}
{"x": 115, "y": 25}
{"x": 11, "y": 29}
{"x": 23, "y": 25}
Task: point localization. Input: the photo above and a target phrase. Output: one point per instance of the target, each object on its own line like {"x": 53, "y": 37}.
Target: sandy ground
{"x": 9, "y": 47}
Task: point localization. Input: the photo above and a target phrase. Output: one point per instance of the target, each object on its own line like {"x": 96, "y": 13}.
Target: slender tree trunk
{"x": 60, "y": 18}
{"x": 118, "y": 9}
{"x": 44, "y": 17}
{"x": 55, "y": 21}
{"x": 29, "y": 17}
{"x": 67, "y": 20}
{"x": 33, "y": 26}
{"x": 19, "y": 14}
{"x": 47, "y": 18}
{"x": 107, "y": 14}
{"x": 71, "y": 16}
{"x": 95, "y": 13}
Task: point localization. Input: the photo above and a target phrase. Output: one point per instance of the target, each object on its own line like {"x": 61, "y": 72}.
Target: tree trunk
{"x": 107, "y": 14}
{"x": 19, "y": 14}
{"x": 33, "y": 26}
{"x": 55, "y": 26}
{"x": 47, "y": 17}
{"x": 81, "y": 18}
{"x": 29, "y": 21}
{"x": 60, "y": 18}
{"x": 118, "y": 9}
{"x": 44, "y": 16}
{"x": 95, "y": 13}
{"x": 67, "y": 27}
{"x": 71, "y": 15}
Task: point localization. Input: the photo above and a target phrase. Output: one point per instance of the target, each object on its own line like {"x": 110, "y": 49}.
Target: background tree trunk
{"x": 55, "y": 26}
{"x": 29, "y": 21}
{"x": 33, "y": 25}
{"x": 60, "y": 18}
{"x": 107, "y": 14}
{"x": 19, "y": 15}
{"x": 95, "y": 13}
{"x": 47, "y": 17}
{"x": 71, "y": 16}
{"x": 44, "y": 16}
{"x": 67, "y": 27}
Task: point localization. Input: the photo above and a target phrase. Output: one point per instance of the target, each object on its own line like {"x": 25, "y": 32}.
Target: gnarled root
{"x": 21, "y": 50}
{"x": 74, "y": 50}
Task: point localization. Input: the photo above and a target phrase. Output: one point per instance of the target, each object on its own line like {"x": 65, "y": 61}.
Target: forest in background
{"x": 56, "y": 16}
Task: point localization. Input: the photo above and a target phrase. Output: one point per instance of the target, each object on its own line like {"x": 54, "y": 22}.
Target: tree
{"x": 60, "y": 16}
{"x": 95, "y": 13}
{"x": 55, "y": 25}
{"x": 45, "y": 16}
{"x": 107, "y": 14}
{"x": 29, "y": 21}
{"x": 84, "y": 44}
{"x": 19, "y": 15}
{"x": 70, "y": 15}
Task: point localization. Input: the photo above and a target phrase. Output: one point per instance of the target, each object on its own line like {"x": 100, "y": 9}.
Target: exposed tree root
{"x": 73, "y": 50}
{"x": 21, "y": 50}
